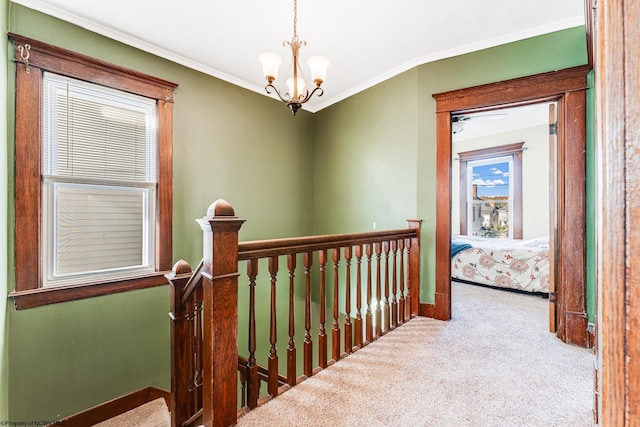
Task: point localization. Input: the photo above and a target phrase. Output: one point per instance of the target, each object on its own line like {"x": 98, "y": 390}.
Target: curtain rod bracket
{"x": 24, "y": 56}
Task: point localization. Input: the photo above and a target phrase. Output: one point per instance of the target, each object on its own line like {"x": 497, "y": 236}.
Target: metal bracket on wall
{"x": 24, "y": 56}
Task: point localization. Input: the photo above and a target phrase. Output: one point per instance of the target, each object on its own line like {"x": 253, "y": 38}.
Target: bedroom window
{"x": 491, "y": 192}
{"x": 93, "y": 176}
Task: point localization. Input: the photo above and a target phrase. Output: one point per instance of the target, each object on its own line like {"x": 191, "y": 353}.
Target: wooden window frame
{"x": 33, "y": 58}
{"x": 509, "y": 150}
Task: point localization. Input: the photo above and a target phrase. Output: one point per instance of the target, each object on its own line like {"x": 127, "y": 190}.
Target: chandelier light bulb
{"x": 293, "y": 93}
{"x": 318, "y": 65}
{"x": 270, "y": 64}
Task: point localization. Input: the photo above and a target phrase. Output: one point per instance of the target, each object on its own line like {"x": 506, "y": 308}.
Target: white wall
{"x": 535, "y": 176}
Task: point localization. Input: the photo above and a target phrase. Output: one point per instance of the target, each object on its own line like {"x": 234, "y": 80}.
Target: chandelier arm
{"x": 271, "y": 89}
{"x": 310, "y": 94}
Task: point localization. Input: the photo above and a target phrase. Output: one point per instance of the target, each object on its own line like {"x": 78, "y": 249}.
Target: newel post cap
{"x": 220, "y": 208}
{"x": 221, "y": 216}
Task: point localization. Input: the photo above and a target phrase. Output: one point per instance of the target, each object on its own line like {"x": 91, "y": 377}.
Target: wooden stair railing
{"x": 206, "y": 365}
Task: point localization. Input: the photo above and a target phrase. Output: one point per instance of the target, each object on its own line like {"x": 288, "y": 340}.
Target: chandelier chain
{"x": 295, "y": 18}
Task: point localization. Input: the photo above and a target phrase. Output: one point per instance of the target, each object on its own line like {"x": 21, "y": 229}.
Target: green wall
{"x": 392, "y": 125}
{"x": 4, "y": 364}
{"x": 365, "y": 159}
{"x": 229, "y": 143}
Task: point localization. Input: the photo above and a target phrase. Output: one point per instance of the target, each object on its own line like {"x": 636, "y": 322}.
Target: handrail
{"x": 192, "y": 283}
{"x": 273, "y": 247}
{"x": 204, "y": 309}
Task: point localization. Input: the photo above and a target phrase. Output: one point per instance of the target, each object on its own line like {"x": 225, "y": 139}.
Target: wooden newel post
{"x": 414, "y": 268}
{"x": 220, "y": 286}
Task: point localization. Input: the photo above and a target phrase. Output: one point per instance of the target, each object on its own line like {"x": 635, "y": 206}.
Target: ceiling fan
{"x": 457, "y": 121}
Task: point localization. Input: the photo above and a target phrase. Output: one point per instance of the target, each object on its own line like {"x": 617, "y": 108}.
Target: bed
{"x": 504, "y": 263}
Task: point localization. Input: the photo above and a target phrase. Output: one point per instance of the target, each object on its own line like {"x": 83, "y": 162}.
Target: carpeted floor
{"x": 151, "y": 414}
{"x": 493, "y": 364}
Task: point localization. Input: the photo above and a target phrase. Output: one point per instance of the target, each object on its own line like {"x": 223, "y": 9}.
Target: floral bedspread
{"x": 505, "y": 263}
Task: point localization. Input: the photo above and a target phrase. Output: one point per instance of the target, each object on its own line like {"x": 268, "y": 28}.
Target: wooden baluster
{"x": 348, "y": 327}
{"x": 402, "y": 309}
{"x": 408, "y": 295}
{"x": 193, "y": 367}
{"x": 291, "y": 349}
{"x": 273, "y": 336}
{"x": 378, "y": 249}
{"x": 199, "y": 338}
{"x": 322, "y": 335}
{"x": 252, "y": 366}
{"x": 308, "y": 344}
{"x": 191, "y": 364}
{"x": 335, "y": 331}
{"x": 368, "y": 316}
{"x": 242, "y": 374}
{"x": 387, "y": 309}
{"x": 359, "y": 330}
{"x": 394, "y": 284}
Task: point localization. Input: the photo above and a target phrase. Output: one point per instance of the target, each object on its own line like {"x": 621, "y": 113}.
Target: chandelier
{"x": 297, "y": 91}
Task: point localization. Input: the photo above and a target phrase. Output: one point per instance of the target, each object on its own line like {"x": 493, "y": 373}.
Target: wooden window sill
{"x": 45, "y": 296}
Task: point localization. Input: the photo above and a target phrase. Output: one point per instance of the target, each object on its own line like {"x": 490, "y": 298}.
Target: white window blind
{"x": 99, "y": 182}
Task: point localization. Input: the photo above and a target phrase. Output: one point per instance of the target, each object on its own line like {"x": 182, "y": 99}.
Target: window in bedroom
{"x": 93, "y": 177}
{"x": 491, "y": 192}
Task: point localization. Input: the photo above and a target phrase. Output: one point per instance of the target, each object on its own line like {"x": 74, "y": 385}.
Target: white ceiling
{"x": 502, "y": 120}
{"x": 367, "y": 41}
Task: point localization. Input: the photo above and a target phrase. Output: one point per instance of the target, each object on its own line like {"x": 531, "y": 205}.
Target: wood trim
{"x": 164, "y": 221}
{"x": 267, "y": 248}
{"x": 462, "y": 203}
{"x": 553, "y": 256}
{"x": 573, "y": 226}
{"x": 517, "y": 194}
{"x": 414, "y": 267}
{"x": 488, "y": 152}
{"x": 522, "y": 90}
{"x": 427, "y": 310}
{"x": 589, "y": 26}
{"x": 632, "y": 131}
{"x": 550, "y": 86}
{"x": 44, "y": 296}
{"x": 62, "y": 61}
{"x": 115, "y": 407}
{"x": 27, "y": 179}
{"x": 443, "y": 216}
{"x": 617, "y": 65}
{"x": 28, "y": 198}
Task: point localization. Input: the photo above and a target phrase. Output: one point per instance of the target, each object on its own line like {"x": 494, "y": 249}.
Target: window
{"x": 490, "y": 197}
{"x": 491, "y": 192}
{"x": 93, "y": 177}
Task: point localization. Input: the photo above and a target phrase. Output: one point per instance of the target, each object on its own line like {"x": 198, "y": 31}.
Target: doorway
{"x": 500, "y": 187}
{"x": 568, "y": 89}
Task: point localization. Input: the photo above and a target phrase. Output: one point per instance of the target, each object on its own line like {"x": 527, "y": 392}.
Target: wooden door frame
{"x": 567, "y": 87}
{"x": 618, "y": 104}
